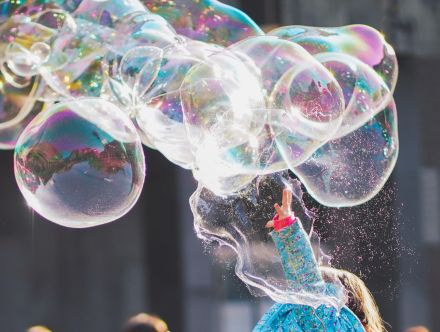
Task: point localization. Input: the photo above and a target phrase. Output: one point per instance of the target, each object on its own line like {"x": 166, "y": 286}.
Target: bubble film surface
{"x": 303, "y": 100}
{"x": 84, "y": 82}
{"x": 223, "y": 112}
{"x": 18, "y": 105}
{"x": 77, "y": 171}
{"x": 359, "y": 41}
{"x": 206, "y": 20}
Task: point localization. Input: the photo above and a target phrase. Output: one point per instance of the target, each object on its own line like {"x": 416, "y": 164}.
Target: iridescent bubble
{"x": 83, "y": 57}
{"x": 130, "y": 76}
{"x": 18, "y": 104}
{"x": 80, "y": 163}
{"x": 271, "y": 57}
{"x": 106, "y": 13}
{"x": 305, "y": 103}
{"x": 9, "y": 8}
{"x": 221, "y": 97}
{"x": 56, "y": 19}
{"x": 360, "y": 41}
{"x": 139, "y": 69}
{"x": 206, "y": 20}
{"x": 313, "y": 97}
{"x": 27, "y": 39}
{"x": 308, "y": 108}
{"x": 160, "y": 115}
{"x": 78, "y": 70}
{"x": 24, "y": 62}
{"x": 23, "y": 31}
{"x": 223, "y": 103}
{"x": 147, "y": 29}
{"x": 238, "y": 222}
{"x": 41, "y": 52}
{"x": 33, "y": 7}
{"x": 352, "y": 169}
{"x": 365, "y": 93}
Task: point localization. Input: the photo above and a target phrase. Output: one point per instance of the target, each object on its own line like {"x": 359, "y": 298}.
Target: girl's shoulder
{"x": 296, "y": 317}
{"x": 339, "y": 320}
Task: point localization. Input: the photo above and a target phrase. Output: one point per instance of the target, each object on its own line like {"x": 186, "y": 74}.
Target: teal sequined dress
{"x": 302, "y": 273}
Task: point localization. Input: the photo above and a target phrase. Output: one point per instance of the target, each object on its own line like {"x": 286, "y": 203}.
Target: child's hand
{"x": 283, "y": 211}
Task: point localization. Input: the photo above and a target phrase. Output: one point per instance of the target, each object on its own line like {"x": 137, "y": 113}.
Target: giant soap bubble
{"x": 200, "y": 82}
{"x": 80, "y": 163}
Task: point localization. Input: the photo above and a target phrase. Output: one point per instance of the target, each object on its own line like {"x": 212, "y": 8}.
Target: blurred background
{"x": 151, "y": 261}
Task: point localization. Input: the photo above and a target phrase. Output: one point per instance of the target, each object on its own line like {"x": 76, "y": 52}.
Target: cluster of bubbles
{"x": 84, "y": 82}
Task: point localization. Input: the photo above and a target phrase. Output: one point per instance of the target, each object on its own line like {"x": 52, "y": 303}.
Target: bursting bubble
{"x": 80, "y": 163}
{"x": 352, "y": 169}
{"x": 238, "y": 222}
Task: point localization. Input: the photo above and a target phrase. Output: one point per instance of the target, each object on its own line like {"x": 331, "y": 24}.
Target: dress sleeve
{"x": 297, "y": 258}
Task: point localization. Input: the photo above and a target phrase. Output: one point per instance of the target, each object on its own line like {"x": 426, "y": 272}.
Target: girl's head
{"x": 360, "y": 300}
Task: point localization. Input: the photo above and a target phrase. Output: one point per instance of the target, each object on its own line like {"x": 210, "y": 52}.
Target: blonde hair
{"x": 360, "y": 300}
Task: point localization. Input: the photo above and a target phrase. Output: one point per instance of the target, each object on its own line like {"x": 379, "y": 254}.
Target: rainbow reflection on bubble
{"x": 204, "y": 85}
{"x": 206, "y": 20}
{"x": 359, "y": 41}
{"x": 77, "y": 171}
{"x": 84, "y": 82}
